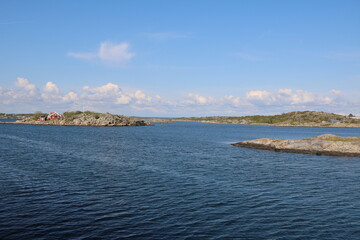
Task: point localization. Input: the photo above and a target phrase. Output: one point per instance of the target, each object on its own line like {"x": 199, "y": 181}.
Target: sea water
{"x": 178, "y": 180}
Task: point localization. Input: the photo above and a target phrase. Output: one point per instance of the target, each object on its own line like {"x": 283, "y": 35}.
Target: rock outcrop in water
{"x": 327, "y": 144}
{"x": 87, "y": 119}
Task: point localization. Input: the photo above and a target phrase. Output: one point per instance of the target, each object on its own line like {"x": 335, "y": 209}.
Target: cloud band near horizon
{"x": 111, "y": 97}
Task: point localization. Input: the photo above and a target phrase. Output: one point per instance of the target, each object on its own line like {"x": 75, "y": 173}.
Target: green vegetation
{"x": 37, "y": 115}
{"x": 72, "y": 115}
{"x": 330, "y": 137}
{"x": 291, "y": 118}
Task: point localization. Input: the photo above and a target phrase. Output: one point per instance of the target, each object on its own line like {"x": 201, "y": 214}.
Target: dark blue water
{"x": 9, "y": 120}
{"x": 172, "y": 181}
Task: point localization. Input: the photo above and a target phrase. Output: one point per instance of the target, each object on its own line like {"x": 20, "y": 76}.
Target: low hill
{"x": 14, "y": 115}
{"x": 87, "y": 118}
{"x": 305, "y": 118}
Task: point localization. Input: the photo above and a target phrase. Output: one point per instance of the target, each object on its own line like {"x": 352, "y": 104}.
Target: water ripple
{"x": 171, "y": 181}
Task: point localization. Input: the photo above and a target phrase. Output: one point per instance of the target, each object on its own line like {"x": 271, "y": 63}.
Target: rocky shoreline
{"x": 327, "y": 144}
{"x": 86, "y": 119}
{"x": 330, "y": 125}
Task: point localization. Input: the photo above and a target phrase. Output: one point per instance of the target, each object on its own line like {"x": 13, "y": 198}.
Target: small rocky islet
{"x": 327, "y": 144}
{"x": 79, "y": 118}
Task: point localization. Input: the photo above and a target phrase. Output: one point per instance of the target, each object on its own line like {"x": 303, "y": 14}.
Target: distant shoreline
{"x": 276, "y": 125}
{"x": 248, "y": 124}
{"x": 69, "y": 125}
{"x": 291, "y": 119}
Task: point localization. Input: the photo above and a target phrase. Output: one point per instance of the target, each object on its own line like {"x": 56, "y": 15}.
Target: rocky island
{"x": 79, "y": 118}
{"x": 326, "y": 144}
{"x": 291, "y": 119}
{"x": 14, "y": 115}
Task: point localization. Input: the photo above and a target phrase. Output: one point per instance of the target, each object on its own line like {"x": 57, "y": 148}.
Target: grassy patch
{"x": 72, "y": 115}
{"x": 36, "y": 116}
{"x": 335, "y": 138}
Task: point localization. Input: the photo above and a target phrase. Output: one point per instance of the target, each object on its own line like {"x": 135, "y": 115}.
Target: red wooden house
{"x": 54, "y": 115}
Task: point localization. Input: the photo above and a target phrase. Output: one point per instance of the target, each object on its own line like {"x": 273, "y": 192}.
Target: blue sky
{"x": 180, "y": 58}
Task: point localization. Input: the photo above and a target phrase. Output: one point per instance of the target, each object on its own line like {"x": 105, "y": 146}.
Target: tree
{"x": 37, "y": 115}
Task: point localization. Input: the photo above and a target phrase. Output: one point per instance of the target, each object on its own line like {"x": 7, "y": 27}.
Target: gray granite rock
{"x": 89, "y": 119}
{"x": 327, "y": 144}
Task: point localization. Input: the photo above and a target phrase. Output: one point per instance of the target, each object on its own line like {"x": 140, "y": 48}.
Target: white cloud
{"x": 142, "y": 98}
{"x": 124, "y": 99}
{"x": 287, "y": 97}
{"x": 51, "y": 87}
{"x": 70, "y": 97}
{"x": 258, "y": 95}
{"x": 51, "y": 94}
{"x": 108, "y": 52}
{"x": 335, "y": 92}
{"x": 108, "y": 93}
{"x": 108, "y": 88}
{"x": 115, "y": 53}
{"x": 111, "y": 97}
{"x": 51, "y": 98}
{"x": 25, "y": 92}
{"x": 139, "y": 95}
{"x": 285, "y": 91}
{"x": 26, "y": 85}
{"x": 302, "y": 97}
{"x": 7, "y": 96}
{"x": 235, "y": 101}
{"x": 112, "y": 93}
{"x": 194, "y": 98}
{"x": 29, "y": 95}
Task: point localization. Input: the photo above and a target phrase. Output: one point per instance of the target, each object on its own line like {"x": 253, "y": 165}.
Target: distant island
{"x": 291, "y": 119}
{"x": 15, "y": 115}
{"x": 327, "y": 144}
{"x": 79, "y": 118}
